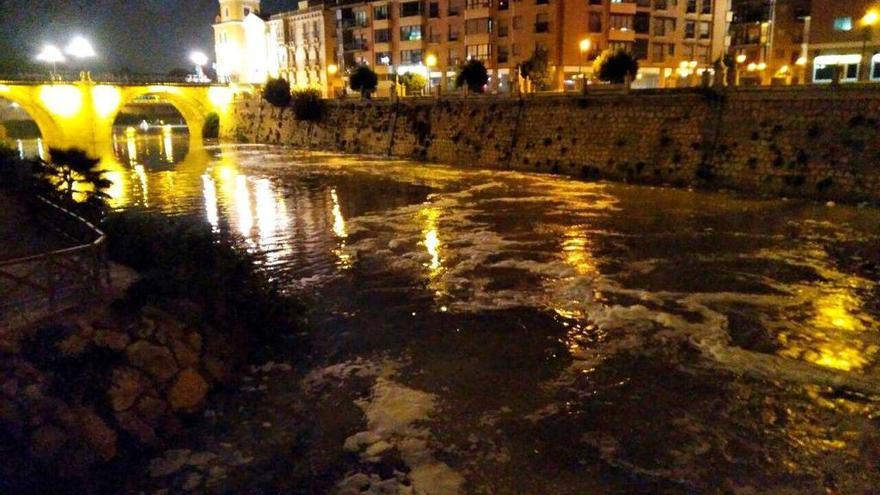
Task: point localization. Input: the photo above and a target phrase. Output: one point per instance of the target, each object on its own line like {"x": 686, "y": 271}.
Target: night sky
{"x": 143, "y": 35}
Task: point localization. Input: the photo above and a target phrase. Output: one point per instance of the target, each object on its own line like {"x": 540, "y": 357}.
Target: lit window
{"x": 843, "y": 24}
{"x": 823, "y": 67}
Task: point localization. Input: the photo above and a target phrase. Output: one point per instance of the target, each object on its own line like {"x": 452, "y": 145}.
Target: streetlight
{"x": 740, "y": 60}
{"x": 871, "y": 17}
{"x": 51, "y": 54}
{"x": 200, "y": 60}
{"x": 584, "y": 47}
{"x": 332, "y": 70}
{"x": 387, "y": 61}
{"x": 80, "y": 48}
{"x": 430, "y": 62}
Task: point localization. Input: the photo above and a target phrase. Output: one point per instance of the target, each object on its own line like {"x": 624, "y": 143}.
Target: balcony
{"x": 621, "y": 35}
{"x": 542, "y": 27}
{"x": 623, "y": 8}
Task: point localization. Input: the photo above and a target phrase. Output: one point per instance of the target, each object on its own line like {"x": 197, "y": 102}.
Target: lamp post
{"x": 871, "y": 17}
{"x": 584, "y": 46}
{"x": 740, "y": 59}
{"x": 431, "y": 62}
{"x": 80, "y": 49}
{"x": 200, "y": 60}
{"x": 332, "y": 70}
{"x": 387, "y": 61}
{"x": 50, "y": 54}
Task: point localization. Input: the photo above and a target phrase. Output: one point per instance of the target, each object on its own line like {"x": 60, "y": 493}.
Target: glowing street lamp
{"x": 584, "y": 47}
{"x": 430, "y": 62}
{"x": 80, "y": 48}
{"x": 871, "y": 17}
{"x": 200, "y": 60}
{"x": 51, "y": 54}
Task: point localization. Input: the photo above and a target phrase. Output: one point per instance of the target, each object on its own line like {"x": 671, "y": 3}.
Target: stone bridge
{"x": 81, "y": 113}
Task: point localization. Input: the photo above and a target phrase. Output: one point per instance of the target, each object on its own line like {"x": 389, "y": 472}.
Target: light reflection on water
{"x": 616, "y": 266}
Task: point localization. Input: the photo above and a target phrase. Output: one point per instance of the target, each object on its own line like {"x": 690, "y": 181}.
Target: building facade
{"x": 239, "y": 42}
{"x": 673, "y": 39}
{"x": 304, "y": 46}
{"x": 843, "y": 33}
{"x": 769, "y": 41}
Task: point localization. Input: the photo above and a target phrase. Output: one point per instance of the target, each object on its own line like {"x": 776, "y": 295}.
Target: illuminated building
{"x": 304, "y": 45}
{"x": 773, "y": 32}
{"x": 663, "y": 34}
{"x": 240, "y": 42}
{"x": 844, "y": 33}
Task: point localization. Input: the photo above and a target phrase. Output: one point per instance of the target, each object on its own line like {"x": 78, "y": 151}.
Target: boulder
{"x": 128, "y": 384}
{"x": 188, "y": 391}
{"x": 186, "y": 357}
{"x": 155, "y": 360}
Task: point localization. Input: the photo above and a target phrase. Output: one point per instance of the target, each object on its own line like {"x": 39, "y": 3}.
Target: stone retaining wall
{"x": 815, "y": 142}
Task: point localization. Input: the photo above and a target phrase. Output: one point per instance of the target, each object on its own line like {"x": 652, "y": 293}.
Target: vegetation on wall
{"x": 211, "y": 128}
{"x": 308, "y": 105}
{"x": 363, "y": 80}
{"x": 473, "y": 75}
{"x": 615, "y": 66}
{"x": 277, "y": 92}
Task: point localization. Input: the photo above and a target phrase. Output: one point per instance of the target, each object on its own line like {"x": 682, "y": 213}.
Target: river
{"x": 497, "y": 332}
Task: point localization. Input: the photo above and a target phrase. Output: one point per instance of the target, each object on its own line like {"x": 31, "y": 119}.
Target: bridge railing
{"x": 45, "y": 284}
{"x": 100, "y": 77}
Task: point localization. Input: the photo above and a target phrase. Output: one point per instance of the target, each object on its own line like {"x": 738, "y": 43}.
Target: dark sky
{"x": 145, "y": 35}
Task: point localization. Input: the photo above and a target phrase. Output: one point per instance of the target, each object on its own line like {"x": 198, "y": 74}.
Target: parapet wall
{"x": 813, "y": 142}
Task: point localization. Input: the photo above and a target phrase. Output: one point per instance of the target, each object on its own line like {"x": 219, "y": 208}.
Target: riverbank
{"x": 812, "y": 142}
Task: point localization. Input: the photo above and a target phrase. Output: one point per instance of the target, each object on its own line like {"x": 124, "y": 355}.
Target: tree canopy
{"x": 277, "y": 92}
{"x": 363, "y": 79}
{"x": 614, "y": 66}
{"x": 474, "y": 75}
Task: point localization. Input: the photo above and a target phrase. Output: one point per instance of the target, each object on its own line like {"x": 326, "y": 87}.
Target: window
{"x": 690, "y": 29}
{"x": 875, "y": 67}
{"x": 691, "y": 7}
{"x": 479, "y": 52}
{"x": 704, "y": 30}
{"x": 503, "y": 30}
{"x": 824, "y": 66}
{"x": 410, "y": 57}
{"x": 503, "y": 54}
{"x": 660, "y": 5}
{"x": 476, "y": 4}
{"x": 843, "y": 24}
{"x": 410, "y": 33}
{"x": 434, "y": 10}
{"x": 707, "y": 7}
{"x": 478, "y": 26}
{"x": 410, "y": 9}
{"x": 640, "y": 49}
{"x": 595, "y": 22}
{"x": 383, "y": 58}
{"x": 517, "y": 22}
{"x": 664, "y": 26}
{"x": 360, "y": 18}
{"x": 542, "y": 23}
{"x": 382, "y": 35}
{"x": 621, "y": 22}
{"x": 452, "y": 58}
{"x": 453, "y": 33}
{"x": 247, "y": 11}
{"x": 454, "y": 7}
{"x": 380, "y": 13}
{"x": 642, "y": 22}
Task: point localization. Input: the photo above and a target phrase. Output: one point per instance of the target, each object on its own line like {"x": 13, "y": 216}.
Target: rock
{"x": 355, "y": 442}
{"x": 151, "y": 408}
{"x": 165, "y": 466}
{"x": 46, "y": 441}
{"x": 186, "y": 357}
{"x": 116, "y": 341}
{"x": 128, "y": 384}
{"x": 100, "y": 437}
{"x": 74, "y": 345}
{"x": 201, "y": 459}
{"x": 192, "y": 481}
{"x": 137, "y": 428}
{"x": 155, "y": 360}
{"x": 188, "y": 391}
{"x": 377, "y": 449}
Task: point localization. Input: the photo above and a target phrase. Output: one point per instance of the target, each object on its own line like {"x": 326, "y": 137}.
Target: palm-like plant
{"x": 73, "y": 177}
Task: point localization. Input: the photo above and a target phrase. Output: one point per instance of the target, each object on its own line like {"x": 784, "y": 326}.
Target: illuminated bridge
{"x": 81, "y": 113}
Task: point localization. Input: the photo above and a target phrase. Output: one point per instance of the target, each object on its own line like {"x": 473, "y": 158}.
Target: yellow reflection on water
{"x": 340, "y": 230}
{"x": 431, "y": 240}
{"x": 209, "y": 191}
{"x": 142, "y": 180}
{"x": 168, "y": 143}
{"x": 576, "y": 250}
{"x": 243, "y": 206}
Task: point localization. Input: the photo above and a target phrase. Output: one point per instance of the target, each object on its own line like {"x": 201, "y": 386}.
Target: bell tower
{"x": 230, "y": 42}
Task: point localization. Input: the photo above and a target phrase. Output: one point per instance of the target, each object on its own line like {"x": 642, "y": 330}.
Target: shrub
{"x": 211, "y": 128}
{"x": 364, "y": 80}
{"x": 414, "y": 83}
{"x": 181, "y": 257}
{"x": 308, "y": 105}
{"x": 614, "y": 66}
{"x": 277, "y": 92}
{"x": 72, "y": 178}
{"x": 474, "y": 75}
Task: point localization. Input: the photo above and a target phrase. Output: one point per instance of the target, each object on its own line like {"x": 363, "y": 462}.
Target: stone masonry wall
{"x": 816, "y": 142}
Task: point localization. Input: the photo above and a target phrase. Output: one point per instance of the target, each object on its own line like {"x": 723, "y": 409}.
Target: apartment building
{"x": 673, "y": 39}
{"x": 844, "y": 33}
{"x": 769, "y": 41}
{"x": 304, "y": 42}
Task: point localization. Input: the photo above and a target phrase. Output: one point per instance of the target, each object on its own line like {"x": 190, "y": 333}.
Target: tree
{"x": 414, "y": 83}
{"x": 537, "y": 68}
{"x": 474, "y": 75}
{"x": 614, "y": 66}
{"x": 73, "y": 178}
{"x": 211, "y": 127}
{"x": 364, "y": 80}
{"x": 277, "y": 92}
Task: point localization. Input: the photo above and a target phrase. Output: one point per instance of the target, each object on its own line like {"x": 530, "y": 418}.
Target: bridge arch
{"x": 192, "y": 109}
{"x": 50, "y": 130}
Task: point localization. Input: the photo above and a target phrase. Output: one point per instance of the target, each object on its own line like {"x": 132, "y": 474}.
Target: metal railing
{"x": 38, "y": 286}
{"x": 110, "y": 78}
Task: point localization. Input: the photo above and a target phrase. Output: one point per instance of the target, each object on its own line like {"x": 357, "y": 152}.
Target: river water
{"x": 499, "y": 332}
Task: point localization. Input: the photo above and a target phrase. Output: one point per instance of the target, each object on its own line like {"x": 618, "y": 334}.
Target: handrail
{"x": 78, "y": 270}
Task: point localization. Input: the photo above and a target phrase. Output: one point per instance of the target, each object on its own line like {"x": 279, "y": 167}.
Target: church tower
{"x": 230, "y": 38}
